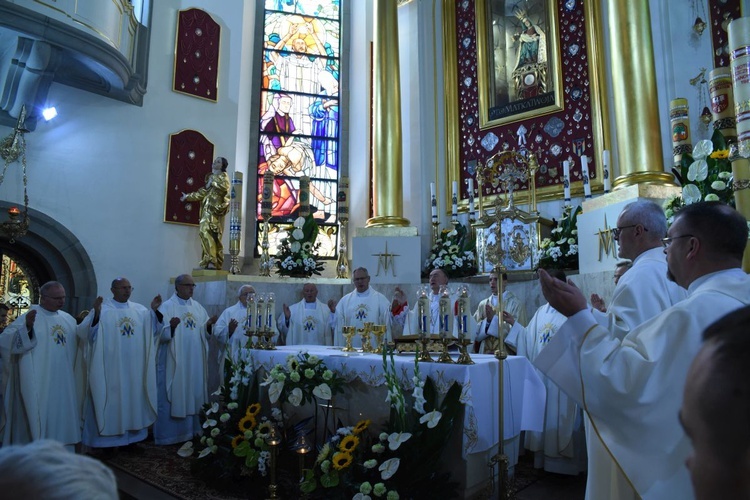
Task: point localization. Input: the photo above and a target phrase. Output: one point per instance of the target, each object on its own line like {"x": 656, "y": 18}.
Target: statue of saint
{"x": 214, "y": 198}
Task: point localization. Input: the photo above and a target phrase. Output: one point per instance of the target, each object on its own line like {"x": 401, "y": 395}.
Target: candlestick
{"x": 605, "y": 174}
{"x": 471, "y": 200}
{"x": 454, "y": 201}
{"x": 566, "y": 181}
{"x": 267, "y": 196}
{"x": 304, "y": 196}
{"x": 343, "y": 198}
{"x": 585, "y": 175}
{"x": 433, "y": 203}
{"x": 444, "y": 306}
{"x": 235, "y": 223}
{"x": 270, "y": 310}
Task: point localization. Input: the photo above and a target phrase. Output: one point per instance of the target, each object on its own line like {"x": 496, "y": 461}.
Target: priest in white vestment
{"x": 631, "y": 388}
{"x": 642, "y": 293}
{"x": 406, "y": 316}
{"x": 182, "y": 364}
{"x": 123, "y": 337}
{"x": 232, "y": 324}
{"x": 309, "y": 321}
{"x": 561, "y": 447}
{"x": 362, "y": 305}
{"x": 485, "y": 336}
{"x": 44, "y": 368}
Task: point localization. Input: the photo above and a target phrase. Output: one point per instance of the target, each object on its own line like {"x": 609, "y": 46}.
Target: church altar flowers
{"x": 453, "y": 252}
{"x": 403, "y": 460}
{"x": 301, "y": 379}
{"x": 297, "y": 255}
{"x": 560, "y": 250}
{"x": 706, "y": 175}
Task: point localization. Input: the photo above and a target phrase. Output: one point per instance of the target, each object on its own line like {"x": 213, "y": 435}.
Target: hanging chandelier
{"x": 13, "y": 149}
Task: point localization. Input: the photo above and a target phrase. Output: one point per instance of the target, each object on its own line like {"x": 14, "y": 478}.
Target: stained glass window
{"x": 299, "y": 115}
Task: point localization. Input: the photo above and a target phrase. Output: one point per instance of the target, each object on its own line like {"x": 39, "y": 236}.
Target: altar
{"x": 523, "y": 404}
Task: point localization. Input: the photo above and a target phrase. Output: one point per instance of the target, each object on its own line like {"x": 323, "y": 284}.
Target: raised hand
{"x": 30, "y": 318}
{"x": 156, "y": 303}
{"x": 98, "y": 305}
{"x": 566, "y": 298}
{"x": 332, "y": 305}
{"x": 287, "y": 312}
{"x": 232, "y": 325}
{"x": 598, "y": 303}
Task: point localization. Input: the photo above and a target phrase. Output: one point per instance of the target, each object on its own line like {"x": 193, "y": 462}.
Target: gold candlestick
{"x": 273, "y": 440}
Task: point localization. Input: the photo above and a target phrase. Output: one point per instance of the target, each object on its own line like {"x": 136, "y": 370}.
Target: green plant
{"x": 560, "y": 251}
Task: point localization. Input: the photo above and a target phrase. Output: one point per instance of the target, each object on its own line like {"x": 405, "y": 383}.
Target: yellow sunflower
{"x": 361, "y": 426}
{"x": 247, "y": 423}
{"x": 348, "y": 444}
{"x": 253, "y": 409}
{"x": 236, "y": 440}
{"x": 264, "y": 429}
{"x": 341, "y": 460}
{"x": 721, "y": 154}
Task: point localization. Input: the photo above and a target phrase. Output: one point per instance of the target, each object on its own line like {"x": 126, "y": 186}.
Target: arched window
{"x": 299, "y": 114}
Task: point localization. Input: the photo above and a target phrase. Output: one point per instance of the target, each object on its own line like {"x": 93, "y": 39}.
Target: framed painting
{"x": 531, "y": 79}
{"x": 518, "y": 60}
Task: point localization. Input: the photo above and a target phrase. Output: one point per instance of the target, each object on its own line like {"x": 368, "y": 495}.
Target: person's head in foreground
{"x": 715, "y": 410}
{"x": 45, "y": 469}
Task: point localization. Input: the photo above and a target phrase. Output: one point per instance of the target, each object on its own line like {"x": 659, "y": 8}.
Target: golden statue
{"x": 214, "y": 198}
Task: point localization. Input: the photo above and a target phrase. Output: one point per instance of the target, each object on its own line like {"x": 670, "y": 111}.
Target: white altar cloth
{"x": 524, "y": 394}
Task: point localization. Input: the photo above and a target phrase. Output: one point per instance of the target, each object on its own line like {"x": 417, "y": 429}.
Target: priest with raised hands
{"x": 631, "y": 387}
{"x": 182, "y": 364}
{"x": 362, "y": 305}
{"x": 309, "y": 321}
{"x": 123, "y": 336}
{"x": 405, "y": 315}
{"x": 486, "y": 336}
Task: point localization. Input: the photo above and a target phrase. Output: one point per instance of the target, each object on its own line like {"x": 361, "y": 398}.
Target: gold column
{"x": 387, "y": 155}
{"x": 634, "y": 91}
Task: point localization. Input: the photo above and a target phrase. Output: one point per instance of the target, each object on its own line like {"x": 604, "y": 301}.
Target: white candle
{"x": 606, "y": 174}
{"x": 566, "y": 181}
{"x": 585, "y": 175}
{"x": 433, "y": 202}
{"x": 454, "y": 209}
{"x": 471, "y": 198}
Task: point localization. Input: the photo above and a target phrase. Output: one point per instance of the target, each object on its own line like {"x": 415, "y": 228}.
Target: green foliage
{"x": 298, "y": 251}
{"x": 560, "y": 251}
{"x": 453, "y": 253}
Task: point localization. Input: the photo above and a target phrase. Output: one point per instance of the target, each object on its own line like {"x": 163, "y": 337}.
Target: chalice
{"x": 379, "y": 332}
{"x": 364, "y": 332}
{"x": 348, "y": 332}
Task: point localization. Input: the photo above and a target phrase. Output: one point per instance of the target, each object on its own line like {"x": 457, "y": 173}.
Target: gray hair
{"x": 244, "y": 287}
{"x": 50, "y": 284}
{"x": 650, "y": 215}
{"x": 45, "y": 469}
{"x": 179, "y": 279}
{"x": 364, "y": 269}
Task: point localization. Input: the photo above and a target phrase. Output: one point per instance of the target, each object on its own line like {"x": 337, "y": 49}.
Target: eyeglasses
{"x": 617, "y": 230}
{"x": 668, "y": 241}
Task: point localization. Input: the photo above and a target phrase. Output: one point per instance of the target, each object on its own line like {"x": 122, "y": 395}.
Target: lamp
{"x": 273, "y": 440}
{"x": 13, "y": 148}
{"x": 302, "y": 447}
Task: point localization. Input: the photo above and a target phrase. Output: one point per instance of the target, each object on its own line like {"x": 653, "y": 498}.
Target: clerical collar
{"x": 119, "y": 305}
{"x": 366, "y": 293}
{"x": 181, "y": 301}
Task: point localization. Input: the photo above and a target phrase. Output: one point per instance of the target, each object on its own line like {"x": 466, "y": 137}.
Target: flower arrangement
{"x": 402, "y": 461}
{"x": 233, "y": 441}
{"x": 560, "y": 251}
{"x": 453, "y": 252}
{"x": 297, "y": 252}
{"x": 706, "y": 175}
{"x": 303, "y": 378}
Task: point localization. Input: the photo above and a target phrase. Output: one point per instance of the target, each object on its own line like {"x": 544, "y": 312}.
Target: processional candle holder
{"x": 446, "y": 324}
{"x": 266, "y": 206}
{"x": 342, "y": 264}
{"x": 235, "y": 223}
{"x": 265, "y": 258}
{"x": 463, "y": 306}
{"x": 348, "y": 332}
{"x": 423, "y": 314}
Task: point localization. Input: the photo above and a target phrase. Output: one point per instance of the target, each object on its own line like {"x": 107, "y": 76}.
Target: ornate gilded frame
{"x": 516, "y": 109}
{"x": 455, "y": 128}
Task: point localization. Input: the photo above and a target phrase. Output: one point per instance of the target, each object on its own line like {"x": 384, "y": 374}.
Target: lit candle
{"x": 471, "y": 199}
{"x": 444, "y": 306}
{"x": 605, "y": 162}
{"x": 454, "y": 199}
{"x": 266, "y": 203}
{"x": 14, "y": 211}
{"x": 251, "y": 311}
{"x": 270, "y": 310}
{"x": 566, "y": 181}
{"x": 433, "y": 202}
{"x": 585, "y": 175}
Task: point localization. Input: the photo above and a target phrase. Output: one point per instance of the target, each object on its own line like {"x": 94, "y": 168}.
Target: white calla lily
{"x": 388, "y": 468}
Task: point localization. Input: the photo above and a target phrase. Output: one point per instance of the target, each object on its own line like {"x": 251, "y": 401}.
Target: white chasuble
{"x": 186, "y": 357}
{"x": 42, "y": 396}
{"x": 356, "y": 309}
{"x": 122, "y": 367}
{"x": 632, "y": 388}
{"x": 307, "y": 325}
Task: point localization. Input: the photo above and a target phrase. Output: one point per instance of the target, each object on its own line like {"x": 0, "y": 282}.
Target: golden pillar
{"x": 387, "y": 156}
{"x": 634, "y": 91}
